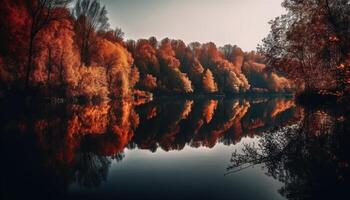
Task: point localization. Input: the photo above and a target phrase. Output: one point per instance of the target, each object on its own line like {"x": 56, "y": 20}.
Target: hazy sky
{"x": 241, "y": 22}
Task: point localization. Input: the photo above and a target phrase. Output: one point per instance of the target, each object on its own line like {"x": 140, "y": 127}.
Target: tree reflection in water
{"x": 91, "y": 169}
{"x": 64, "y": 145}
{"x": 310, "y": 157}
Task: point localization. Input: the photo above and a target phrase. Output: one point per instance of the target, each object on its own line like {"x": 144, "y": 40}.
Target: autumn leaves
{"x": 76, "y": 52}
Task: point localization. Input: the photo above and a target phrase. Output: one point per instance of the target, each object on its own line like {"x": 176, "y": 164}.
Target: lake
{"x": 173, "y": 148}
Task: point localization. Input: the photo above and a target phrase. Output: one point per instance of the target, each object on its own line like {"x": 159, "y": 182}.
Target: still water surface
{"x": 175, "y": 149}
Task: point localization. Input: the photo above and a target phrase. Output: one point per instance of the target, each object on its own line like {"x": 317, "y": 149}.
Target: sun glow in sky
{"x": 240, "y": 22}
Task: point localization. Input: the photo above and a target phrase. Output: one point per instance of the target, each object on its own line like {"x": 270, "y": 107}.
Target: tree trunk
{"x": 61, "y": 68}
{"x": 49, "y": 68}
{"x": 30, "y": 58}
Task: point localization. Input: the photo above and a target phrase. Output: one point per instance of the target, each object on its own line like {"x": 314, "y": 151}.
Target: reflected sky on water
{"x": 168, "y": 149}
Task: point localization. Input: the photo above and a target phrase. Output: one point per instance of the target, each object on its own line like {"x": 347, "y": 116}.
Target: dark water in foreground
{"x": 246, "y": 148}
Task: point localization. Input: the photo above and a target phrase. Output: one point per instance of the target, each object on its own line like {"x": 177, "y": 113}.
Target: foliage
{"x": 311, "y": 44}
{"x": 48, "y": 48}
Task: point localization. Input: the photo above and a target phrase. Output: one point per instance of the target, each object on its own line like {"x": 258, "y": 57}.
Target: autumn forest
{"x": 89, "y": 111}
{"x": 57, "y": 48}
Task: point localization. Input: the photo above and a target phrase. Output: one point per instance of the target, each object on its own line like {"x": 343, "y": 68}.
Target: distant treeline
{"x": 57, "y": 49}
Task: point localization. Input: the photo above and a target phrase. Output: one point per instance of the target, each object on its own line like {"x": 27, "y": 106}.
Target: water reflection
{"x": 50, "y": 148}
{"x": 172, "y": 125}
{"x": 310, "y": 157}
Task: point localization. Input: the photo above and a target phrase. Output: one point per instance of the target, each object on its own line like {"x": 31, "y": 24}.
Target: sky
{"x": 240, "y": 22}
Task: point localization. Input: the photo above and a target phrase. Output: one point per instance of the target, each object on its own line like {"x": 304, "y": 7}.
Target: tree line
{"x": 61, "y": 47}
